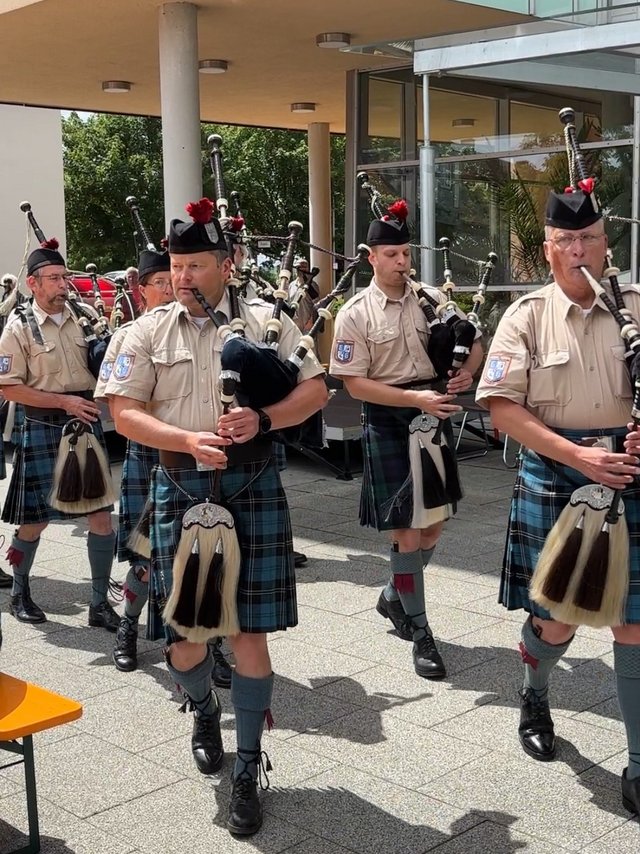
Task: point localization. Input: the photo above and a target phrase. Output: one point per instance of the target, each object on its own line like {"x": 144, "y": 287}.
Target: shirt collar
{"x": 224, "y": 305}
{"x": 41, "y": 316}
{"x": 382, "y": 299}
{"x": 565, "y": 303}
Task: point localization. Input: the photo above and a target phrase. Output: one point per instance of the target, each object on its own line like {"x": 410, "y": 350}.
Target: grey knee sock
{"x": 409, "y": 582}
{"x": 100, "y": 548}
{"x": 626, "y": 664}
{"x": 251, "y": 700}
{"x": 136, "y": 591}
{"x": 196, "y": 685}
{"x": 390, "y": 592}
{"x": 539, "y": 659}
{"x": 21, "y": 554}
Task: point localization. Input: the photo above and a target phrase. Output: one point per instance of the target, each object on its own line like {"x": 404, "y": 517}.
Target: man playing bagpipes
{"x": 60, "y": 468}
{"x": 380, "y": 353}
{"x": 220, "y": 519}
{"x": 556, "y": 380}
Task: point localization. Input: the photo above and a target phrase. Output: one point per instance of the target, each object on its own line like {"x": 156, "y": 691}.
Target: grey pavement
{"x": 367, "y": 756}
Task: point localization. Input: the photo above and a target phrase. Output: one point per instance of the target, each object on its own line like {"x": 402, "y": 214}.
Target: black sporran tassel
{"x": 185, "y": 610}
{"x": 452, "y": 487}
{"x": 70, "y": 486}
{"x": 433, "y": 488}
{"x": 559, "y": 573}
{"x": 210, "y": 611}
{"x": 594, "y": 576}
{"x": 93, "y": 480}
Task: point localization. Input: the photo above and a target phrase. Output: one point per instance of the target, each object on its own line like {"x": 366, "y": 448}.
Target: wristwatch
{"x": 264, "y": 425}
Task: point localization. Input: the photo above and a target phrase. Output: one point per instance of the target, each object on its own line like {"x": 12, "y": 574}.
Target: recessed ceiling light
{"x": 333, "y": 40}
{"x": 303, "y": 107}
{"x": 213, "y": 66}
{"x": 116, "y": 86}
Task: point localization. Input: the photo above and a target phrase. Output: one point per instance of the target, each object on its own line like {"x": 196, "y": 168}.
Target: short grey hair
{"x": 549, "y": 229}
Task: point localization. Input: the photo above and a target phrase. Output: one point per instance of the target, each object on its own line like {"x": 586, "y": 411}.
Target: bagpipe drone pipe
{"x": 582, "y": 574}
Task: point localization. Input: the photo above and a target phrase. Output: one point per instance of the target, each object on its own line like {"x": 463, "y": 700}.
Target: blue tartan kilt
{"x": 385, "y": 498}
{"x": 134, "y": 491}
{"x": 539, "y": 496}
{"x": 253, "y": 493}
{"x": 34, "y": 461}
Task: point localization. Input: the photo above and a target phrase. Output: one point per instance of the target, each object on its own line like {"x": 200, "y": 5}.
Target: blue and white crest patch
{"x": 123, "y": 366}
{"x": 5, "y": 364}
{"x": 105, "y": 370}
{"x": 345, "y": 351}
{"x": 496, "y": 369}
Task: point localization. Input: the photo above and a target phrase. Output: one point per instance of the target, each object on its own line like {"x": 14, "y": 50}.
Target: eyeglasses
{"x": 566, "y": 241}
{"x": 160, "y": 284}
{"x": 67, "y": 278}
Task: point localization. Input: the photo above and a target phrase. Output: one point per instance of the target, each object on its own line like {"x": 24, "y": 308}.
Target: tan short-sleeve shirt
{"x": 172, "y": 363}
{"x": 116, "y": 342}
{"x": 565, "y": 365}
{"x": 383, "y": 339}
{"x": 57, "y": 365}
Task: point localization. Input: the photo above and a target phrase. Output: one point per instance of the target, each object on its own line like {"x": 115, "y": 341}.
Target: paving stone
{"x": 60, "y": 831}
{"x": 331, "y": 631}
{"x": 338, "y": 597}
{"x": 385, "y": 746}
{"x": 309, "y": 664}
{"x": 623, "y": 840}
{"x": 191, "y": 817}
{"x": 492, "y": 838}
{"x": 95, "y": 778}
{"x": 56, "y": 674}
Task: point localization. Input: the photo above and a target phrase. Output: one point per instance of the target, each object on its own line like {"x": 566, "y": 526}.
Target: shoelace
{"x": 537, "y": 707}
{"x": 127, "y": 633}
{"x": 263, "y": 764}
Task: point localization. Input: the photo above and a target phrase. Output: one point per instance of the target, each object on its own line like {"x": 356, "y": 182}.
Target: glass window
{"x": 460, "y": 124}
{"x": 385, "y": 120}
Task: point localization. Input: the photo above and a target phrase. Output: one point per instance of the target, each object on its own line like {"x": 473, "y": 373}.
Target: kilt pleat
{"x": 254, "y": 496}
{"x": 540, "y": 494}
{"x": 136, "y": 477}
{"x": 386, "y": 501}
{"x": 34, "y": 462}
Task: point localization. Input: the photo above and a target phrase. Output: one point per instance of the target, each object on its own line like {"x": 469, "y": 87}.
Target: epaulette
{"x": 539, "y": 294}
{"x": 256, "y": 301}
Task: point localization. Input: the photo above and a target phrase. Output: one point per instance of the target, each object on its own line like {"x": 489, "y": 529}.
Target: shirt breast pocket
{"x": 174, "y": 373}
{"x": 549, "y": 379}
{"x": 378, "y": 339}
{"x": 621, "y": 377}
{"x": 45, "y": 359}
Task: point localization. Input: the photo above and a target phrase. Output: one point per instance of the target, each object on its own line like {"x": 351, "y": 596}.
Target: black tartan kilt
{"x": 134, "y": 490}
{"x": 254, "y": 495}
{"x": 34, "y": 461}
{"x": 385, "y": 499}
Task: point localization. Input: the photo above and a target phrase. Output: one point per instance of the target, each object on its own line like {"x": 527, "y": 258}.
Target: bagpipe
{"x": 94, "y": 328}
{"x": 433, "y": 484}
{"x": 582, "y": 574}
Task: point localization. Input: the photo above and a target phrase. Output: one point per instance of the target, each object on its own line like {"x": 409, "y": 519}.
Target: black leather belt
{"x": 249, "y": 452}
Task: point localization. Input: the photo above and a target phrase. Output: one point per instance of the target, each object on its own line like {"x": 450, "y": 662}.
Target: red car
{"x": 84, "y": 286}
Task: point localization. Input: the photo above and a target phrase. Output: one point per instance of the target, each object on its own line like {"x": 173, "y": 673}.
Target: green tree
{"x": 109, "y": 157}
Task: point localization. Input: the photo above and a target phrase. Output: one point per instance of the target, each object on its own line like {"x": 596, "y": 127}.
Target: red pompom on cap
{"x": 236, "y": 223}
{"x": 51, "y": 243}
{"x": 587, "y": 185}
{"x": 201, "y": 211}
{"x": 399, "y": 210}
{"x": 164, "y": 243}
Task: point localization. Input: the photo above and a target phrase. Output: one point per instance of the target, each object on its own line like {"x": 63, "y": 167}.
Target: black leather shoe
{"x": 104, "y": 617}
{"x": 536, "y": 727}
{"x": 426, "y": 658}
{"x": 6, "y": 580}
{"x": 631, "y": 793}
{"x": 206, "y": 742}
{"x": 25, "y": 609}
{"x": 393, "y": 610}
{"x": 245, "y": 809}
{"x": 221, "y": 671}
{"x": 299, "y": 559}
{"x": 125, "y": 652}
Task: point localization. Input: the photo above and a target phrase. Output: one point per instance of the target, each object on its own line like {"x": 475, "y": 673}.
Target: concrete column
{"x": 320, "y": 214}
{"x": 427, "y": 160}
{"x": 180, "y": 106}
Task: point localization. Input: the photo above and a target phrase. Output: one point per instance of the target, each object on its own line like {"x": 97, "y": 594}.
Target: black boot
{"x": 221, "y": 672}
{"x": 245, "y": 809}
{"x": 104, "y": 617}
{"x": 631, "y": 793}
{"x": 426, "y": 658}
{"x": 393, "y": 610}
{"x": 206, "y": 741}
{"x": 24, "y": 608}
{"x": 6, "y": 580}
{"x": 125, "y": 652}
{"x": 536, "y": 727}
